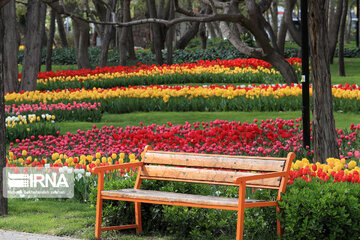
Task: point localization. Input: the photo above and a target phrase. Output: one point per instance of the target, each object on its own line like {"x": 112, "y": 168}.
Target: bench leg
{"x": 278, "y": 224}
{"x": 241, "y": 211}
{"x": 98, "y": 218}
{"x": 138, "y": 217}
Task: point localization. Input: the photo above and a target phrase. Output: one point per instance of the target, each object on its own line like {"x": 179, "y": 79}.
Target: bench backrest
{"x": 210, "y": 168}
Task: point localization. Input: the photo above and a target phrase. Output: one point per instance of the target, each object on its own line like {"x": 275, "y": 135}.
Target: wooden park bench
{"x": 241, "y": 171}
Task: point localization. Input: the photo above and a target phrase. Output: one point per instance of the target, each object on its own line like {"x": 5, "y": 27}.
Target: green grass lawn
{"x": 352, "y": 71}
{"x": 54, "y": 67}
{"x": 60, "y": 218}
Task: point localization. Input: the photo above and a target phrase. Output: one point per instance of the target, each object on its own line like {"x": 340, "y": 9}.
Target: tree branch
{"x": 238, "y": 44}
{"x": 20, "y": 2}
{"x": 185, "y": 11}
{"x": 203, "y": 18}
{"x": 265, "y": 5}
{"x": 216, "y": 3}
{"x": 3, "y": 3}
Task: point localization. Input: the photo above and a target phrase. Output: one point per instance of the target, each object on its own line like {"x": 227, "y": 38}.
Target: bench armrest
{"x": 260, "y": 176}
{"x": 97, "y": 170}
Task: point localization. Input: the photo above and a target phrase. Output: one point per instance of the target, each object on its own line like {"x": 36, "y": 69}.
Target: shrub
{"x": 317, "y": 210}
{"x": 216, "y": 50}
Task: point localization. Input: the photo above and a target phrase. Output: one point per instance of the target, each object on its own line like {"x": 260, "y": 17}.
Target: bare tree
{"x": 256, "y": 24}
{"x": 11, "y": 42}
{"x": 334, "y": 24}
{"x": 124, "y": 32}
{"x": 295, "y": 33}
{"x": 50, "y": 41}
{"x": 274, "y": 16}
{"x": 155, "y": 32}
{"x": 131, "y": 44}
{"x": 348, "y": 25}
{"x": 324, "y": 134}
{"x": 32, "y": 53}
{"x": 170, "y": 36}
{"x": 211, "y": 30}
{"x": 3, "y": 201}
{"x": 61, "y": 29}
{"x": 81, "y": 42}
{"x": 104, "y": 12}
{"x": 190, "y": 34}
{"x": 342, "y": 38}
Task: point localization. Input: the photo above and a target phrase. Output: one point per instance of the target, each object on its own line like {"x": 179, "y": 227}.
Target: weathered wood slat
{"x": 175, "y": 197}
{"x": 208, "y": 176}
{"x": 211, "y": 183}
{"x": 215, "y": 161}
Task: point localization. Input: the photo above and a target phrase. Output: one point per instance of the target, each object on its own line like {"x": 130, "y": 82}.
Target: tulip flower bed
{"x": 102, "y": 146}
{"x": 74, "y": 111}
{"x": 219, "y": 71}
{"x": 188, "y": 98}
{"x": 29, "y": 126}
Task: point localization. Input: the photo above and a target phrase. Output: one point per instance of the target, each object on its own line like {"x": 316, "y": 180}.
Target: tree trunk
{"x": 124, "y": 33}
{"x": 50, "y": 41}
{"x": 280, "y": 63}
{"x": 170, "y": 36}
{"x": 186, "y": 38}
{"x": 156, "y": 32}
{"x": 105, "y": 44}
{"x": 324, "y": 133}
{"x": 12, "y": 45}
{"x": 274, "y": 16}
{"x": 61, "y": 29}
{"x": 294, "y": 32}
{"x": 217, "y": 29}
{"x": 107, "y": 31}
{"x": 210, "y": 27}
{"x": 282, "y": 36}
{"x": 203, "y": 36}
{"x": 334, "y": 29}
{"x": 32, "y": 51}
{"x": 42, "y": 26}
{"x": 348, "y": 28}
{"x": 3, "y": 200}
{"x": 81, "y": 42}
{"x": 130, "y": 44}
{"x": 341, "y": 39}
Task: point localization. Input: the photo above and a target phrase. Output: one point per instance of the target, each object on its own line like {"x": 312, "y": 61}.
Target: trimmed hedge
{"x": 66, "y": 56}
{"x": 317, "y": 210}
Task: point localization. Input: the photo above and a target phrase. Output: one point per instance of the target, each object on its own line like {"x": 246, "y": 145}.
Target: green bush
{"x": 216, "y": 49}
{"x": 319, "y": 210}
{"x": 82, "y": 115}
{"x": 31, "y": 129}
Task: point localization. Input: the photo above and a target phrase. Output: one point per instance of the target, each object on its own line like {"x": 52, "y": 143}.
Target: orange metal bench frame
{"x": 240, "y": 181}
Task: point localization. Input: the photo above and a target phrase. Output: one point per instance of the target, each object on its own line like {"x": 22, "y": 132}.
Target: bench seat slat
{"x": 215, "y": 161}
{"x": 176, "y": 197}
{"x": 195, "y": 174}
